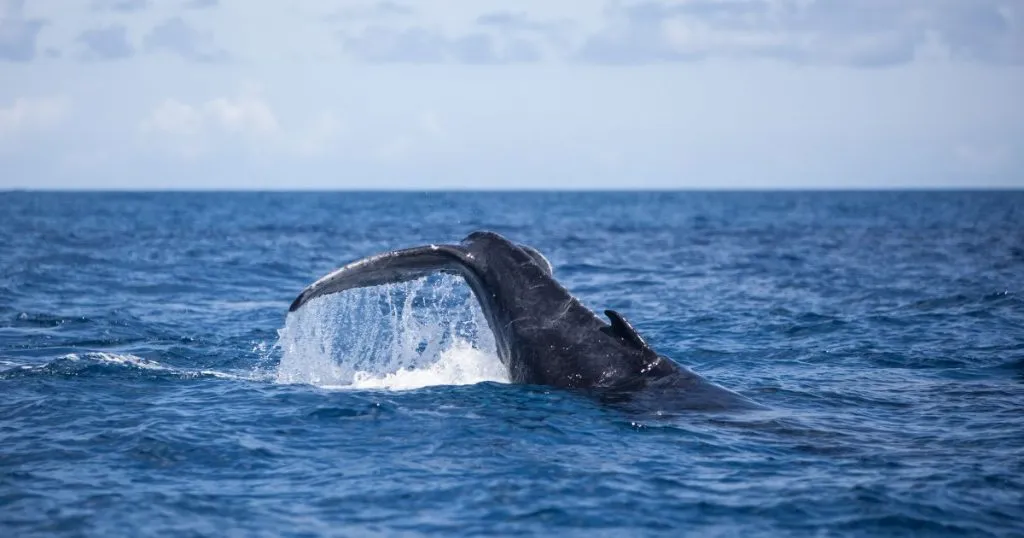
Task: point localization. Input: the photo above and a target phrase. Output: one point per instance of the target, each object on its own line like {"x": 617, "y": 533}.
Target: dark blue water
{"x": 151, "y": 383}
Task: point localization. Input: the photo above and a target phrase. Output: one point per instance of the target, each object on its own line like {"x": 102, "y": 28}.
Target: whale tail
{"x": 389, "y": 267}
{"x": 408, "y": 264}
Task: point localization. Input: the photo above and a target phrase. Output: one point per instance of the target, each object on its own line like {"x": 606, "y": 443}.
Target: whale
{"x": 542, "y": 333}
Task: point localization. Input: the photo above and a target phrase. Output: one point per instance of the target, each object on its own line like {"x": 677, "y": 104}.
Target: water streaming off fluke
{"x": 425, "y": 332}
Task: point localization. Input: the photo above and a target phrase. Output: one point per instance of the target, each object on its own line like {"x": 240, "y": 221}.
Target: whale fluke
{"x": 389, "y": 267}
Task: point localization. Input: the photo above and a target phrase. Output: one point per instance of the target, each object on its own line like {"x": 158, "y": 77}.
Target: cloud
{"x": 31, "y": 115}
{"x": 495, "y": 38}
{"x": 862, "y": 33}
{"x": 417, "y": 44}
{"x": 245, "y": 115}
{"x": 865, "y": 33}
{"x": 381, "y": 44}
{"x": 194, "y": 129}
{"x": 177, "y": 127}
{"x": 123, "y": 6}
{"x": 242, "y": 115}
{"x": 378, "y": 10}
{"x": 17, "y": 34}
{"x": 201, "y": 4}
{"x": 174, "y": 118}
{"x": 110, "y": 43}
{"x": 510, "y": 22}
{"x": 553, "y": 33}
{"x": 178, "y": 37}
{"x": 506, "y": 19}
{"x": 982, "y": 30}
{"x": 224, "y": 124}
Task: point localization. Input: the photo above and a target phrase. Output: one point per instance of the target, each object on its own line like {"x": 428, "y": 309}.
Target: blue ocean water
{"x": 151, "y": 382}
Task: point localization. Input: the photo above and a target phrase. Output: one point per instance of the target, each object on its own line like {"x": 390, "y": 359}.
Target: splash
{"x": 425, "y": 332}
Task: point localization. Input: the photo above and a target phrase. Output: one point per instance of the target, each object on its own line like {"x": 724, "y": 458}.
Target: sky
{"x": 532, "y": 94}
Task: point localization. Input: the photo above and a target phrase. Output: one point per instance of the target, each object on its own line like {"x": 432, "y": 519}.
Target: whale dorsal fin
{"x": 622, "y": 329}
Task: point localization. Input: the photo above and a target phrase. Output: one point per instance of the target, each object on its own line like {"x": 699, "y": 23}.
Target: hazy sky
{"x": 502, "y": 94}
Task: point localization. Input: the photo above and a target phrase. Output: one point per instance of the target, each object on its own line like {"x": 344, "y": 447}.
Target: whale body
{"x": 543, "y": 334}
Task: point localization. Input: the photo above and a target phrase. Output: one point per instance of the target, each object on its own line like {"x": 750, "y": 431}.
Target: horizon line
{"x": 453, "y": 190}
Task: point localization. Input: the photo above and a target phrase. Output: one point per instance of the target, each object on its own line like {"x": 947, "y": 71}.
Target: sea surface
{"x": 152, "y": 382}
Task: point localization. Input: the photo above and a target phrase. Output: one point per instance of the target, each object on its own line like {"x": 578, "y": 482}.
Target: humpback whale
{"x": 543, "y": 334}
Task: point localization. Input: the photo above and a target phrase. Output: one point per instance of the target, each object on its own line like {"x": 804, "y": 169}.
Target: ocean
{"x": 153, "y": 383}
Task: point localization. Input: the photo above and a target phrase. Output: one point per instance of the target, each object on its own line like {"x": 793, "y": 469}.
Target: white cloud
{"x": 176, "y": 36}
{"x": 31, "y": 114}
{"x": 247, "y": 114}
{"x": 765, "y": 95}
{"x": 244, "y": 115}
{"x": 221, "y": 123}
{"x": 175, "y": 118}
{"x": 862, "y": 33}
{"x": 178, "y": 126}
{"x": 694, "y": 37}
{"x": 17, "y": 34}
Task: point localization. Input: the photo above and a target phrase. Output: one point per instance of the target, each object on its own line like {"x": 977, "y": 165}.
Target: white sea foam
{"x": 114, "y": 358}
{"x": 426, "y": 332}
{"x": 134, "y": 361}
